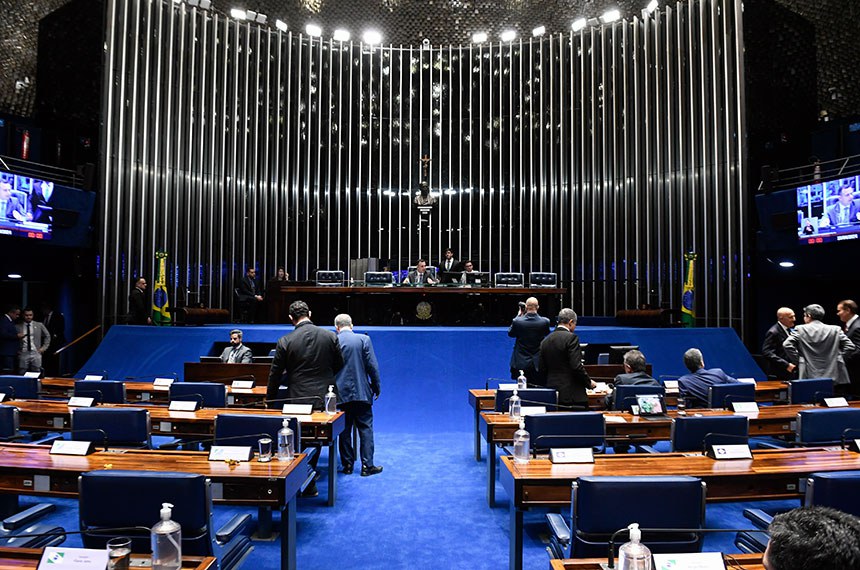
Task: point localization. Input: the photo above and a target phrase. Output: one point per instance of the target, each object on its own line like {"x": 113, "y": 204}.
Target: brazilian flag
{"x": 160, "y": 315}
{"x": 688, "y": 305}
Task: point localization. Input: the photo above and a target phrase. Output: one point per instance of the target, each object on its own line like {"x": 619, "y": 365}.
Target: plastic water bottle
{"x": 166, "y": 541}
{"x": 330, "y": 402}
{"x": 521, "y": 381}
{"x": 634, "y": 555}
{"x": 521, "y": 444}
{"x": 285, "y": 442}
{"x": 515, "y": 406}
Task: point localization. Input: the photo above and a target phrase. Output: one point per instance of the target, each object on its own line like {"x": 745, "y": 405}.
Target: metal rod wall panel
{"x": 603, "y": 155}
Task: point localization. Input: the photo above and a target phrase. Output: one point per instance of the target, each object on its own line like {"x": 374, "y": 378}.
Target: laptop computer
{"x": 651, "y": 407}
{"x": 210, "y": 359}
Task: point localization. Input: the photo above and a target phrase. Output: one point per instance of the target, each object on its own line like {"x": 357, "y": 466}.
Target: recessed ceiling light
{"x": 610, "y": 16}
{"x": 371, "y": 37}
{"x": 786, "y": 264}
{"x": 341, "y": 35}
{"x": 238, "y": 14}
{"x": 479, "y": 37}
{"x": 313, "y": 30}
{"x": 579, "y": 24}
{"x": 281, "y": 25}
{"x": 508, "y": 36}
{"x": 539, "y": 31}
{"x": 14, "y": 276}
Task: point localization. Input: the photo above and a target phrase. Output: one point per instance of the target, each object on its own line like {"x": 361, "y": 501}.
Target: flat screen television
{"x": 829, "y": 211}
{"x": 26, "y": 206}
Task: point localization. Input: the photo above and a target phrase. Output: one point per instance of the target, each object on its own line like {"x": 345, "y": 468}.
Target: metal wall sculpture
{"x": 603, "y": 154}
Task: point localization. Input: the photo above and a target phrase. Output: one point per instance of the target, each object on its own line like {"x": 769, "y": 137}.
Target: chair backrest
{"x": 625, "y": 396}
{"x": 838, "y": 489}
{"x": 104, "y": 391}
{"x": 602, "y": 505}
{"x": 825, "y": 426}
{"x": 809, "y": 390}
{"x": 20, "y": 388}
{"x": 566, "y": 429}
{"x": 208, "y": 394}
{"x": 246, "y": 429}
{"x": 123, "y": 427}
{"x": 722, "y": 395}
{"x": 688, "y": 433}
{"x": 116, "y": 499}
{"x": 9, "y": 422}
{"x": 546, "y": 396}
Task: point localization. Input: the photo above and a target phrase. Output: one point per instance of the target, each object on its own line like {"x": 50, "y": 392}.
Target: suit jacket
{"x": 456, "y": 265}
{"x": 37, "y": 199}
{"x": 629, "y": 379}
{"x": 775, "y": 353}
{"x": 306, "y": 361}
{"x": 243, "y": 355}
{"x": 56, "y": 325}
{"x": 358, "y": 380}
{"x": 852, "y": 359}
{"x": 694, "y": 386}
{"x": 529, "y": 330}
{"x": 9, "y": 340}
{"x": 13, "y": 205}
{"x": 819, "y": 351}
{"x": 833, "y": 213}
{"x": 138, "y": 312}
{"x": 247, "y": 289}
{"x": 428, "y": 274}
{"x": 41, "y": 336}
{"x": 561, "y": 362}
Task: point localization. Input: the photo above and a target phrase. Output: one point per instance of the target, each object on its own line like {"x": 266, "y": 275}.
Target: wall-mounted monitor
{"x": 829, "y": 211}
{"x": 26, "y": 206}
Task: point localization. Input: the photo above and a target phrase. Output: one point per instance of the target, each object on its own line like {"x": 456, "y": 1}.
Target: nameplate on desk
{"x": 162, "y": 383}
{"x": 183, "y": 406}
{"x": 59, "y": 558}
{"x": 690, "y": 561}
{"x": 531, "y": 410}
{"x": 571, "y": 455}
{"x": 297, "y": 409}
{"x": 839, "y": 402}
{"x": 508, "y": 386}
{"x": 2, "y": 396}
{"x": 93, "y": 377}
{"x": 64, "y": 447}
{"x": 746, "y": 380}
{"x": 80, "y": 402}
{"x": 671, "y": 385}
{"x": 242, "y": 385}
{"x": 231, "y": 452}
{"x": 32, "y": 374}
{"x": 854, "y": 445}
{"x": 730, "y": 451}
{"x": 745, "y": 407}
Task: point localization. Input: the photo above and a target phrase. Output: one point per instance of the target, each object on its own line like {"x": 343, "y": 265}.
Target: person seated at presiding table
{"x": 420, "y": 275}
{"x": 237, "y": 352}
{"x": 634, "y": 375}
{"x": 694, "y": 386}
{"x": 468, "y": 269}
{"x": 813, "y": 537}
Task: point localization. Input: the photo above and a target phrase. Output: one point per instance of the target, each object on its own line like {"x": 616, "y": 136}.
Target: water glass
{"x": 119, "y": 553}
{"x": 265, "y": 444}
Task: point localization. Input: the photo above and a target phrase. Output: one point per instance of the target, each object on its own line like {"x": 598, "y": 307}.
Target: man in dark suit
{"x": 305, "y": 363}
{"x": 138, "y": 308}
{"x": 55, "y": 322}
{"x": 634, "y": 375}
{"x": 529, "y": 328}
{"x": 39, "y": 199}
{"x": 847, "y": 312}
{"x": 237, "y": 353}
{"x": 845, "y": 211}
{"x": 561, "y": 362}
{"x": 10, "y": 339}
{"x": 773, "y": 350}
{"x": 249, "y": 294}
{"x": 357, "y": 387}
{"x": 694, "y": 386}
{"x": 10, "y": 207}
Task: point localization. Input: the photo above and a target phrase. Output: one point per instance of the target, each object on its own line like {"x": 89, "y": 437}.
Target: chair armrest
{"x": 771, "y": 445}
{"x": 646, "y": 449}
{"x": 234, "y": 526}
{"x": 752, "y": 542}
{"x": 27, "y": 516}
{"x": 558, "y": 527}
{"x": 758, "y": 517}
{"x": 48, "y": 439}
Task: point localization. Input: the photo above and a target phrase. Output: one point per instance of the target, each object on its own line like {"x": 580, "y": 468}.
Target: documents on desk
{"x": 689, "y": 561}
{"x": 611, "y": 419}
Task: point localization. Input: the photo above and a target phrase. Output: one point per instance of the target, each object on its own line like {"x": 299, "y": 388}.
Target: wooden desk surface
{"x": 28, "y": 559}
{"x": 429, "y": 289}
{"x": 146, "y": 392}
{"x": 747, "y": 561}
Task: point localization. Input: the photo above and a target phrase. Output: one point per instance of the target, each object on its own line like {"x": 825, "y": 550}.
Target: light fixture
{"x": 262, "y": 18}
{"x": 539, "y": 31}
{"x": 610, "y": 16}
{"x": 313, "y": 30}
{"x": 371, "y": 37}
{"x": 479, "y": 37}
{"x": 785, "y": 264}
{"x": 205, "y": 4}
{"x": 652, "y": 5}
{"x": 238, "y": 14}
{"x": 508, "y": 36}
{"x": 281, "y": 25}
{"x": 14, "y": 276}
{"x": 578, "y": 24}
{"x": 341, "y": 35}
{"x": 251, "y": 15}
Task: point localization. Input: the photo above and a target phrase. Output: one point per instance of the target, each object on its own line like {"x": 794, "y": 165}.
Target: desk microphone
{"x": 107, "y": 532}
{"x": 550, "y": 405}
{"x": 92, "y": 430}
{"x": 230, "y": 379}
{"x": 708, "y": 447}
{"x": 165, "y": 375}
{"x": 99, "y": 394}
{"x": 283, "y": 401}
{"x": 217, "y": 440}
{"x": 850, "y": 445}
{"x": 188, "y": 397}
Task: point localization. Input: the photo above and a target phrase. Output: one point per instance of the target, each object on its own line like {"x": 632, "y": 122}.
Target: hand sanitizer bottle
{"x": 515, "y": 406}
{"x": 166, "y": 541}
{"x": 285, "y": 442}
{"x": 521, "y": 381}
{"x": 330, "y": 402}
{"x": 634, "y": 555}
{"x": 521, "y": 444}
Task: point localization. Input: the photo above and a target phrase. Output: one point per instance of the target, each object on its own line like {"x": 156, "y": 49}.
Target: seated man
{"x": 813, "y": 537}
{"x": 694, "y": 386}
{"x": 634, "y": 375}
{"x": 236, "y": 352}
{"x": 468, "y": 269}
{"x": 420, "y": 276}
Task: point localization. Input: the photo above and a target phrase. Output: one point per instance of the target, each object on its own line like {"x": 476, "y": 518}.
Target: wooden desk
{"x": 226, "y": 373}
{"x": 31, "y": 470}
{"x": 28, "y": 559}
{"x": 145, "y": 392}
{"x": 322, "y": 429}
{"x": 771, "y": 474}
{"x": 747, "y": 561}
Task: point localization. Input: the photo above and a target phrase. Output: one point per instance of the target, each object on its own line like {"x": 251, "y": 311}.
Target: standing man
{"x": 529, "y": 328}
{"x": 237, "y": 353}
{"x": 55, "y": 322}
{"x": 248, "y": 292}
{"x": 847, "y": 312}
{"x": 449, "y": 263}
{"x": 9, "y": 339}
{"x": 693, "y": 387}
{"x": 561, "y": 362}
{"x": 34, "y": 343}
{"x": 39, "y": 198}
{"x": 139, "y": 309}
{"x": 820, "y": 349}
{"x": 305, "y": 363}
{"x": 357, "y": 387}
{"x": 773, "y": 350}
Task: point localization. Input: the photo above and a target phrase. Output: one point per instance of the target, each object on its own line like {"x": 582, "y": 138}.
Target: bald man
{"x": 529, "y": 328}
{"x": 772, "y": 349}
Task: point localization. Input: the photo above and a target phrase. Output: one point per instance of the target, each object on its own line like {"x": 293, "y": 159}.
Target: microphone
{"x": 165, "y": 375}
{"x": 92, "y": 430}
{"x": 849, "y": 445}
{"x": 188, "y": 397}
{"x": 280, "y": 400}
{"x": 9, "y": 391}
{"x": 728, "y": 436}
{"x": 102, "y": 373}
{"x": 98, "y": 393}
{"x": 549, "y": 405}
{"x": 179, "y": 442}
{"x": 819, "y": 396}
{"x": 112, "y": 531}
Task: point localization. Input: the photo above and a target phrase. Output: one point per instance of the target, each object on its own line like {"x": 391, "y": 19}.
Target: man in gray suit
{"x": 237, "y": 353}
{"x": 819, "y": 349}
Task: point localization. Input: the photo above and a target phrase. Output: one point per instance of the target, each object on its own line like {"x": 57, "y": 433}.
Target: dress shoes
{"x": 367, "y": 471}
{"x": 311, "y": 491}
{"x": 347, "y": 470}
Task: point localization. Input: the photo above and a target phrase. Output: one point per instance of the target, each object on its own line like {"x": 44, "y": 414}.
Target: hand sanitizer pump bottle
{"x": 634, "y": 555}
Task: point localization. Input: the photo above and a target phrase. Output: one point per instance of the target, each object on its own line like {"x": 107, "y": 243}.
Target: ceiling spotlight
{"x": 785, "y": 264}
{"x": 539, "y": 31}
{"x": 261, "y": 18}
{"x": 508, "y": 36}
{"x": 341, "y": 35}
{"x": 652, "y": 5}
{"x": 371, "y": 37}
{"x": 190, "y": 2}
{"x": 250, "y": 15}
{"x": 238, "y": 14}
{"x": 14, "y": 276}
{"x": 313, "y": 30}
{"x": 610, "y": 16}
{"x": 479, "y": 37}
{"x": 281, "y": 25}
{"x": 578, "y": 24}
{"x": 205, "y": 4}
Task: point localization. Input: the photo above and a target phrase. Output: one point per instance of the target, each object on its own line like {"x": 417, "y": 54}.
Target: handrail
{"x": 80, "y": 338}
{"x": 48, "y": 172}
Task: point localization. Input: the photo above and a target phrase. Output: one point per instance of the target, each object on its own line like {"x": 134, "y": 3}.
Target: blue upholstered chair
{"x": 544, "y": 396}
{"x": 121, "y": 427}
{"x": 20, "y": 388}
{"x": 810, "y": 390}
{"x": 689, "y": 433}
{"x": 602, "y": 505}
{"x": 826, "y": 426}
{"x": 103, "y": 391}
{"x": 135, "y": 501}
{"x": 625, "y": 396}
{"x": 566, "y": 429}
{"x": 208, "y": 394}
{"x": 722, "y": 395}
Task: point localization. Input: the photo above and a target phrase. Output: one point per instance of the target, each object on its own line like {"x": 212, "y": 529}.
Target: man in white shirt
{"x": 35, "y": 341}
